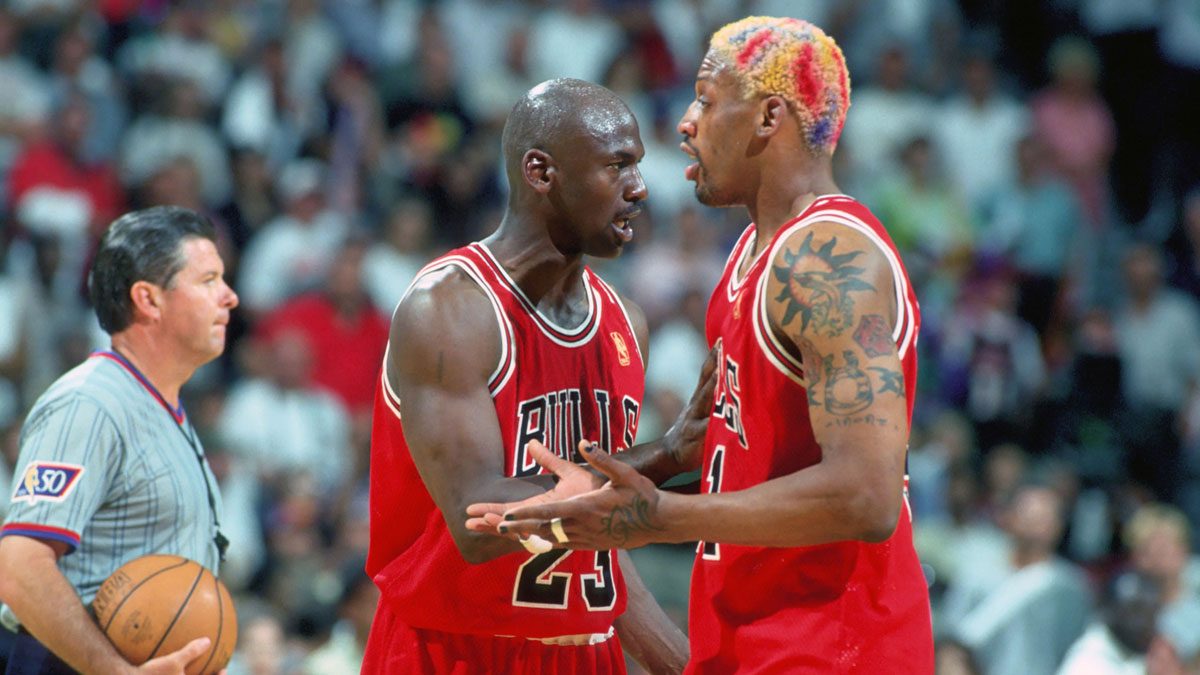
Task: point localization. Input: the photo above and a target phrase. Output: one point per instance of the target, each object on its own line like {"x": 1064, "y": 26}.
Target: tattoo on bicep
{"x": 811, "y": 359}
{"x": 816, "y": 285}
{"x": 847, "y": 388}
{"x": 626, "y": 519}
{"x": 873, "y": 336}
{"x": 893, "y": 380}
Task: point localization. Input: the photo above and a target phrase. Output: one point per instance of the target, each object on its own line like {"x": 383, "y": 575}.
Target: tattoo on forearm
{"x": 867, "y": 420}
{"x": 847, "y": 388}
{"x": 893, "y": 381}
{"x": 873, "y": 335}
{"x": 627, "y": 519}
{"x": 819, "y": 296}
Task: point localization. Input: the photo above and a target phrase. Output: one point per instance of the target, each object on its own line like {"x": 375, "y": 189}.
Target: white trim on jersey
{"x": 508, "y": 356}
{"x": 902, "y": 332}
{"x": 577, "y": 335}
{"x": 617, "y": 299}
{"x": 734, "y": 285}
{"x": 390, "y": 397}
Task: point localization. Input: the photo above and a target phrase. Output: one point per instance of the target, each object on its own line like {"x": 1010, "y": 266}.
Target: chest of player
{"x": 760, "y": 426}
{"x": 561, "y": 395}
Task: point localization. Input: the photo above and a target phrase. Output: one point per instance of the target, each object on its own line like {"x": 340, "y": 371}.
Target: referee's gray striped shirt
{"x": 107, "y": 467}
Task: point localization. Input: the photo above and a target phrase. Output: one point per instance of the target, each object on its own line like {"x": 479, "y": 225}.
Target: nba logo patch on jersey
{"x": 622, "y": 350}
{"x": 47, "y": 480}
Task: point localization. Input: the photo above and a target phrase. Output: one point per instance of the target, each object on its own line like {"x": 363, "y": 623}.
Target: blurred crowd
{"x": 1036, "y": 161}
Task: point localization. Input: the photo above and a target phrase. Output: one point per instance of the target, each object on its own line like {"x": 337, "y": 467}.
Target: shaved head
{"x": 556, "y": 111}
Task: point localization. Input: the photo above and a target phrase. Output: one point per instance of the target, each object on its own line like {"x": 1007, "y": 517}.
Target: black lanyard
{"x": 221, "y": 542}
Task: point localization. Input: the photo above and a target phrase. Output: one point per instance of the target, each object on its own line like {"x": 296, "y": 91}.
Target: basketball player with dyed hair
{"x": 110, "y": 468}
{"x": 806, "y": 562}
{"x": 497, "y": 348}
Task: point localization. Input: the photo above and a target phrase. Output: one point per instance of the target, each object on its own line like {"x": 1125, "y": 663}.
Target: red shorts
{"x": 395, "y": 648}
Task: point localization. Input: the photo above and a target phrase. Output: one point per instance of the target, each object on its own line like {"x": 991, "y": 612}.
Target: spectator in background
{"x": 954, "y": 658}
{"x": 1118, "y": 642}
{"x": 265, "y": 114}
{"x": 25, "y": 106}
{"x": 178, "y": 51}
{"x": 392, "y": 262}
{"x": 575, "y": 39}
{"x": 1183, "y": 248}
{"x": 311, "y": 44}
{"x": 343, "y": 652}
{"x": 1158, "y": 538}
{"x": 948, "y": 446}
{"x": 1034, "y": 223}
{"x": 661, "y": 267}
{"x": 344, "y": 331}
{"x": 929, "y": 222}
{"x": 78, "y": 68}
{"x": 1158, "y": 343}
{"x": 888, "y": 112}
{"x": 1076, "y": 126}
{"x": 178, "y": 128}
{"x": 281, "y": 426}
{"x": 253, "y": 203}
{"x": 292, "y": 252}
{"x": 991, "y": 360}
{"x": 56, "y": 189}
{"x": 356, "y": 134}
{"x": 1021, "y": 619}
{"x": 979, "y": 122}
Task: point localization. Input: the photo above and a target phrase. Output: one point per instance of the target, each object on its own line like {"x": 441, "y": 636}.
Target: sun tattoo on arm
{"x": 820, "y": 297}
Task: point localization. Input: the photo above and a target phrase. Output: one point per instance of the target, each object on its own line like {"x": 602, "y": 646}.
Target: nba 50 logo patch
{"x": 47, "y": 480}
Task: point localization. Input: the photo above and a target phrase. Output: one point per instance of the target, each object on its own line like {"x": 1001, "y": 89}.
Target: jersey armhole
{"x": 506, "y": 364}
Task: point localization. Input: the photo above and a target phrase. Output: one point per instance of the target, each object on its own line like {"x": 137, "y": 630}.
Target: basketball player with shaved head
{"x": 806, "y": 562}
{"x": 501, "y": 349}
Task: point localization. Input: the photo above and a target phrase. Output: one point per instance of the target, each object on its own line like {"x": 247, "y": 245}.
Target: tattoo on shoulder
{"x": 817, "y": 283}
{"x": 626, "y": 519}
{"x": 873, "y": 335}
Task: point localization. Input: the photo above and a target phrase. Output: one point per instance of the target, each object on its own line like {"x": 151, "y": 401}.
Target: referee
{"x": 110, "y": 468}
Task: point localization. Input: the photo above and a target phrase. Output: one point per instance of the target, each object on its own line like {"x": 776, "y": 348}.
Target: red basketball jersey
{"x": 553, "y": 384}
{"x": 847, "y": 607}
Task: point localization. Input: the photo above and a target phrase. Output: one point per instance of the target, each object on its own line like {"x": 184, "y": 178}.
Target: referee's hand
{"x": 175, "y": 663}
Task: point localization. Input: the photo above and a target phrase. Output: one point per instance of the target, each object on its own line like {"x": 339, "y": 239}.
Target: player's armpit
{"x": 831, "y": 296}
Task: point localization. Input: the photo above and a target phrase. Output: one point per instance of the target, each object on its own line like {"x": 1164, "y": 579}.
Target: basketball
{"x": 154, "y": 605}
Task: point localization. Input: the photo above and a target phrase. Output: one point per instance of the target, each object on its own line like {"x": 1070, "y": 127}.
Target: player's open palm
{"x": 573, "y": 480}
{"x": 176, "y": 662}
{"x": 621, "y": 514}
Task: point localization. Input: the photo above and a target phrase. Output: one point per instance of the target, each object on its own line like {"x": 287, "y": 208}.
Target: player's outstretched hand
{"x": 685, "y": 438}
{"x": 621, "y": 514}
{"x": 573, "y": 479}
{"x": 176, "y": 662}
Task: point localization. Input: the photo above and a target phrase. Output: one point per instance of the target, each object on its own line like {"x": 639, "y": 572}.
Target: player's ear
{"x": 538, "y": 168}
{"x": 147, "y": 299}
{"x": 773, "y": 111}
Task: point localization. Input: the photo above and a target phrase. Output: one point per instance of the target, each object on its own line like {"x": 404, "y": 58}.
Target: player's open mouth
{"x": 621, "y": 225}
{"x": 692, "y": 172}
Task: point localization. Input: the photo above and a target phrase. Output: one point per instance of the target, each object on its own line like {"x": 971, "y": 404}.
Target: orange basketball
{"x": 154, "y": 605}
